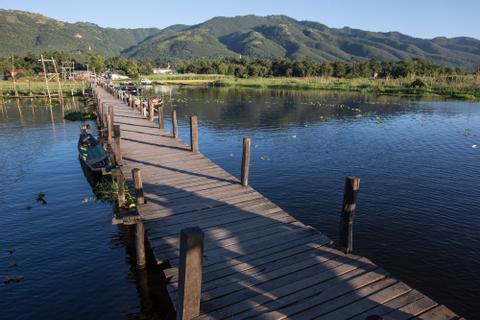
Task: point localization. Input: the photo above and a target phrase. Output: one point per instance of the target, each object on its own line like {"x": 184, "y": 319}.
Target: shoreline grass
{"x": 38, "y": 87}
{"x": 444, "y": 87}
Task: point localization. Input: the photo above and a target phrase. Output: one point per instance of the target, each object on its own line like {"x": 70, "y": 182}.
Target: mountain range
{"x": 273, "y": 36}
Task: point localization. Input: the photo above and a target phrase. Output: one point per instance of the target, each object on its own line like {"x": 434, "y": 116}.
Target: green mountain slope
{"x": 281, "y": 36}
{"x": 22, "y": 32}
{"x": 262, "y": 37}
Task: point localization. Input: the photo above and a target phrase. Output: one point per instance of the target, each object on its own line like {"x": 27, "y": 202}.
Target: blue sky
{"x": 421, "y": 18}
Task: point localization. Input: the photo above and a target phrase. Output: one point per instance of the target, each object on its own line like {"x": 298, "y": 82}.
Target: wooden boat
{"x": 130, "y": 89}
{"x": 92, "y": 153}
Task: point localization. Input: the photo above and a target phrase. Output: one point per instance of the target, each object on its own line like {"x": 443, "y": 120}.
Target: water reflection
{"x": 66, "y": 251}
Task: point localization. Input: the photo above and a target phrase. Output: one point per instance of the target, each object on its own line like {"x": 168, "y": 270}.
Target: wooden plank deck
{"x": 259, "y": 262}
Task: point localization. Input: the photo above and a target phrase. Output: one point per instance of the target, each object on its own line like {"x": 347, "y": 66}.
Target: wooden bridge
{"x": 229, "y": 252}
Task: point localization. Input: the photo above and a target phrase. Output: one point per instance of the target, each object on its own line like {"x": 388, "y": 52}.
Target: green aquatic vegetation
{"x": 107, "y": 190}
{"x": 467, "y": 132}
{"x": 10, "y": 279}
{"x": 377, "y": 120}
{"x": 80, "y": 116}
{"x": 88, "y": 199}
{"x": 41, "y": 198}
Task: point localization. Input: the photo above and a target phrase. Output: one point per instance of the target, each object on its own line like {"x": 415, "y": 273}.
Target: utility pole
{"x": 46, "y": 78}
{"x": 60, "y": 91}
{"x": 13, "y": 73}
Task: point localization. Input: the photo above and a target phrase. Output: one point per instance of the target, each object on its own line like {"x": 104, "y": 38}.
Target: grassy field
{"x": 456, "y": 87}
{"x": 38, "y": 87}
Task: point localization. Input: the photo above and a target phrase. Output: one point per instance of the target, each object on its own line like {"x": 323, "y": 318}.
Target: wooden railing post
{"x": 100, "y": 115}
{"x": 116, "y": 144}
{"x": 120, "y": 190}
{"x": 150, "y": 111}
{"x": 137, "y": 181}
{"x": 109, "y": 128}
{"x": 161, "y": 118}
{"x": 352, "y": 185}
{"x": 139, "y": 228}
{"x": 190, "y": 273}
{"x": 193, "y": 134}
{"x": 245, "y": 161}
{"x": 140, "y": 245}
{"x": 174, "y": 124}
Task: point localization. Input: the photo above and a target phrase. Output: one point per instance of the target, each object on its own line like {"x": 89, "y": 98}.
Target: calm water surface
{"x": 417, "y": 214}
{"x": 73, "y": 263}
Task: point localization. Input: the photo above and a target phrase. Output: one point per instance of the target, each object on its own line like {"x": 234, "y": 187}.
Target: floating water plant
{"x": 80, "y": 116}
{"x": 107, "y": 190}
{"x": 41, "y": 198}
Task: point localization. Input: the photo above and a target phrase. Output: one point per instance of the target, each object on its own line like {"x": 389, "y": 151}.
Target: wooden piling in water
{"x": 117, "y": 151}
{"x": 137, "y": 181}
{"x": 140, "y": 245}
{"x": 120, "y": 190}
{"x": 161, "y": 118}
{"x": 109, "y": 129}
{"x": 245, "y": 161}
{"x": 174, "y": 124}
{"x": 150, "y": 111}
{"x": 352, "y": 185}
{"x": 193, "y": 134}
{"x": 190, "y": 273}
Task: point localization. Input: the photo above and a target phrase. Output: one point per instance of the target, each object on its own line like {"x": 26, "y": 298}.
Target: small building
{"x": 115, "y": 76}
{"x": 164, "y": 71}
{"x": 81, "y": 75}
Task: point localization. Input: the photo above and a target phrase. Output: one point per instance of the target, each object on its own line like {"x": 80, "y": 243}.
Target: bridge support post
{"x": 352, "y": 185}
{"x": 140, "y": 245}
{"x": 109, "y": 128}
{"x": 190, "y": 273}
{"x": 174, "y": 124}
{"x": 116, "y": 145}
{"x": 150, "y": 111}
{"x": 137, "y": 181}
{"x": 139, "y": 228}
{"x": 245, "y": 161}
{"x": 161, "y": 118}
{"x": 120, "y": 190}
{"x": 193, "y": 134}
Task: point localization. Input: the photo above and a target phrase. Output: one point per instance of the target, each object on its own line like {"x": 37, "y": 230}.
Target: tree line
{"x": 29, "y": 64}
{"x": 248, "y": 67}
{"x": 242, "y": 67}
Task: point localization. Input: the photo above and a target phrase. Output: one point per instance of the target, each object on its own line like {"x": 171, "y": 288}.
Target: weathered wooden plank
{"x": 438, "y": 313}
{"x": 412, "y": 309}
{"x": 371, "y": 301}
{"x": 394, "y": 304}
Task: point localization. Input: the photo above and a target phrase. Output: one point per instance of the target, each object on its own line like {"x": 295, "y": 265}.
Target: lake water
{"x": 416, "y": 217}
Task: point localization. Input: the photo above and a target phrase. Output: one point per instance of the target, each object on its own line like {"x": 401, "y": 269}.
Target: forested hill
{"x": 259, "y": 37}
{"x": 22, "y": 32}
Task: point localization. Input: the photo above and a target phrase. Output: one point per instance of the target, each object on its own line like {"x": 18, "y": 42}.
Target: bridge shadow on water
{"x": 268, "y": 266}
